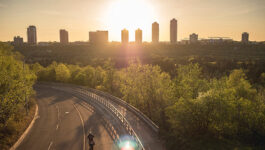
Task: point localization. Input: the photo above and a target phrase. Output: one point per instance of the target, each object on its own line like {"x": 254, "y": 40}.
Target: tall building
{"x": 173, "y": 31}
{"x": 63, "y": 36}
{"x": 18, "y": 40}
{"x": 193, "y": 38}
{"x": 155, "y": 32}
{"x": 32, "y": 34}
{"x": 99, "y": 37}
{"x": 138, "y": 36}
{"x": 245, "y": 37}
{"x": 124, "y": 36}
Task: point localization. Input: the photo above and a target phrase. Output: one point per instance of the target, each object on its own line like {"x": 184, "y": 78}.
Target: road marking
{"x": 84, "y": 145}
{"x": 50, "y": 146}
{"x": 58, "y": 112}
{"x": 58, "y": 116}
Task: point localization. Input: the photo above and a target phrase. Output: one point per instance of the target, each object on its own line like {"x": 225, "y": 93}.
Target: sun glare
{"x": 130, "y": 14}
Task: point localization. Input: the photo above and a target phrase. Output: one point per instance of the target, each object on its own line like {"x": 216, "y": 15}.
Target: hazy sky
{"x": 228, "y": 18}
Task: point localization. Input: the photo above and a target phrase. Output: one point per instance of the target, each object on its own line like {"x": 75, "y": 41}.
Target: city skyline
{"x": 79, "y": 17}
{"x": 173, "y": 37}
{"x": 101, "y": 37}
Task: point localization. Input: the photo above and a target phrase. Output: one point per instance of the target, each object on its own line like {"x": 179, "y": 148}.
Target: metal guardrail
{"x": 119, "y": 101}
{"x": 113, "y": 109}
{"x": 129, "y": 107}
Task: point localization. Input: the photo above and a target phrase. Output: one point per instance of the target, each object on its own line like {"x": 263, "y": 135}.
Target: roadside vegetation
{"x": 16, "y": 96}
{"x": 192, "y": 110}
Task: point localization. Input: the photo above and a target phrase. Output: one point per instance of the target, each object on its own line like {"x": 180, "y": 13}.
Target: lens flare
{"x": 127, "y": 143}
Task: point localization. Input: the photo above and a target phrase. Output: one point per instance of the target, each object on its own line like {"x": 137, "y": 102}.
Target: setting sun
{"x": 130, "y": 14}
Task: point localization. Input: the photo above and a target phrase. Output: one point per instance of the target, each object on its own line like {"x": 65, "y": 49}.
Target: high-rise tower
{"x": 138, "y": 36}
{"x": 155, "y": 32}
{"x": 63, "y": 36}
{"x": 124, "y": 36}
{"x": 173, "y": 31}
{"x": 32, "y": 34}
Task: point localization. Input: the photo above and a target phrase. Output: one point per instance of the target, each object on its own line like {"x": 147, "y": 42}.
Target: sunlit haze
{"x": 207, "y": 18}
{"x": 130, "y": 14}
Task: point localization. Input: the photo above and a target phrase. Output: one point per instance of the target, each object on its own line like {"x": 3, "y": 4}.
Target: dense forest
{"x": 201, "y": 96}
{"x": 193, "y": 111}
{"x": 16, "y": 91}
{"x": 215, "y": 60}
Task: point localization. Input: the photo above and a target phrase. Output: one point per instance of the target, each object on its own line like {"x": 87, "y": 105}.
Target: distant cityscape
{"x": 101, "y": 37}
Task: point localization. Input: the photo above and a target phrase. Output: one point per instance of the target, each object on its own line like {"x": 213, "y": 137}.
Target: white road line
{"x": 58, "y": 112}
{"x": 50, "y": 146}
{"x": 58, "y": 116}
{"x": 84, "y": 145}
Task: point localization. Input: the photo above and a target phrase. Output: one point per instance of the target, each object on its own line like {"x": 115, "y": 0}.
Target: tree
{"x": 189, "y": 81}
{"x": 37, "y": 68}
{"x": 74, "y": 70}
{"x": 99, "y": 76}
{"x": 48, "y": 73}
{"x": 147, "y": 88}
{"x": 62, "y": 73}
{"x": 110, "y": 76}
{"x": 230, "y": 108}
{"x": 16, "y": 81}
{"x": 85, "y": 76}
{"x": 262, "y": 79}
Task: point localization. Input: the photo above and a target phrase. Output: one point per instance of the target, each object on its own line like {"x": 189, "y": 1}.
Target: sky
{"x": 208, "y": 18}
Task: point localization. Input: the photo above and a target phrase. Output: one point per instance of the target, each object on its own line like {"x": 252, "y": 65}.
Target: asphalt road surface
{"x": 64, "y": 122}
{"x": 65, "y": 119}
{"x": 148, "y": 137}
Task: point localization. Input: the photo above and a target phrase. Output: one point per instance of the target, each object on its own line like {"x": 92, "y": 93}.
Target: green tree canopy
{"x": 147, "y": 88}
{"x": 227, "y": 108}
{"x": 16, "y": 81}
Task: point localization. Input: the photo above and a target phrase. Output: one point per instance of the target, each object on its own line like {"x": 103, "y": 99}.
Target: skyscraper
{"x": 245, "y": 37}
{"x": 124, "y": 36}
{"x": 173, "y": 31}
{"x": 193, "y": 38}
{"x": 63, "y": 36}
{"x": 99, "y": 37}
{"x": 138, "y": 36}
{"x": 155, "y": 32}
{"x": 32, "y": 34}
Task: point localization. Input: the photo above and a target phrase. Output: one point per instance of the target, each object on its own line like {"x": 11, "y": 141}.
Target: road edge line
{"x": 83, "y": 125}
{"x": 27, "y": 130}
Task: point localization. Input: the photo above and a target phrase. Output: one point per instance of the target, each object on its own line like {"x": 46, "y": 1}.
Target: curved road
{"x": 63, "y": 122}
{"x": 65, "y": 119}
